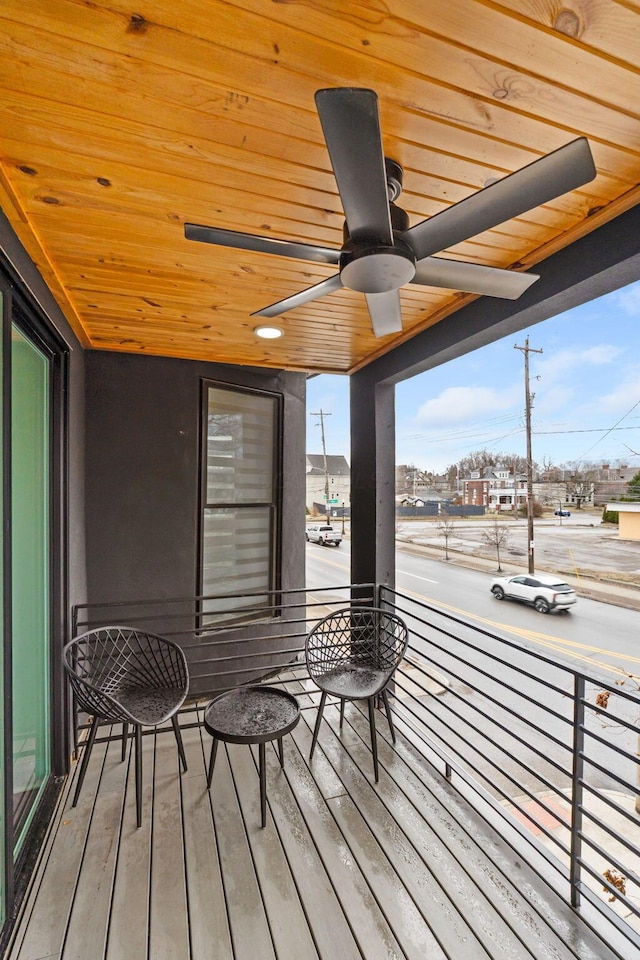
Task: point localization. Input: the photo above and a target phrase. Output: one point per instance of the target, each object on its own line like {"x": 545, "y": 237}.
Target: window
{"x": 238, "y": 533}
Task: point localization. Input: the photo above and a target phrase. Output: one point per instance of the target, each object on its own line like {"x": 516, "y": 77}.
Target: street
{"x": 597, "y": 638}
{"x": 594, "y": 636}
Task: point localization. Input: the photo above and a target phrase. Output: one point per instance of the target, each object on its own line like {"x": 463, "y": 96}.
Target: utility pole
{"x": 526, "y": 350}
{"x": 322, "y": 415}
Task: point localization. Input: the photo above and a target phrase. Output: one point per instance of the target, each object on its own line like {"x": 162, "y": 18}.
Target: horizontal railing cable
{"x": 496, "y": 787}
{"x": 514, "y": 713}
{"x": 498, "y": 660}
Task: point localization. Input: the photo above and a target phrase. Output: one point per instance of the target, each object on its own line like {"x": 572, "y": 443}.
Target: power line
{"x": 544, "y": 433}
{"x": 624, "y": 417}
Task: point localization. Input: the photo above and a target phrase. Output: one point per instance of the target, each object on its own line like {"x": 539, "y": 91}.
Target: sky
{"x": 586, "y": 386}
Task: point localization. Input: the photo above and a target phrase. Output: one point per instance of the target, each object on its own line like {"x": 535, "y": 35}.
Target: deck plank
{"x": 528, "y": 908}
{"x": 47, "y": 921}
{"x": 87, "y": 931}
{"x": 365, "y": 917}
{"x": 209, "y": 922}
{"x": 404, "y": 884}
{"x": 168, "y": 916}
{"x": 447, "y": 862}
{"x": 413, "y": 931}
{"x": 129, "y": 927}
{"x": 250, "y": 932}
{"x": 345, "y": 868}
{"x": 289, "y": 927}
{"x": 305, "y": 851}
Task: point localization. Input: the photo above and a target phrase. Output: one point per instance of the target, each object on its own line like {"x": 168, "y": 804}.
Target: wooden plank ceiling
{"x": 119, "y": 124}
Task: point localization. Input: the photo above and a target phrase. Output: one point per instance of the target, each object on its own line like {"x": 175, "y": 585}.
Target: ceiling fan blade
{"x": 298, "y": 299}
{"x": 351, "y": 127}
{"x": 250, "y": 241}
{"x": 539, "y": 182}
{"x": 473, "y": 278}
{"x": 385, "y": 313}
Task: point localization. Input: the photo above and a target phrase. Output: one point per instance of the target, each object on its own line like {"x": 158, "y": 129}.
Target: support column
{"x": 372, "y": 480}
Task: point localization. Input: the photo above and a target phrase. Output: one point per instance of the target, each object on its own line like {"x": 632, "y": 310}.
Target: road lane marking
{"x": 331, "y": 563}
{"x": 553, "y": 643}
{"x": 544, "y": 640}
{"x": 405, "y": 573}
{"x": 545, "y": 637}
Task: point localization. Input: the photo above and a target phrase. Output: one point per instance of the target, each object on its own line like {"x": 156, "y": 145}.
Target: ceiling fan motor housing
{"x": 377, "y": 268}
{"x": 374, "y": 267}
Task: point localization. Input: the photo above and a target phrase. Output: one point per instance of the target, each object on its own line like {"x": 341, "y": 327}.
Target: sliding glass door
{"x": 30, "y": 575}
{"x": 33, "y": 570}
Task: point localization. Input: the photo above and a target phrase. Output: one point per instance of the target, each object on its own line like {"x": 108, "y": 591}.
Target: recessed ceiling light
{"x": 269, "y": 333}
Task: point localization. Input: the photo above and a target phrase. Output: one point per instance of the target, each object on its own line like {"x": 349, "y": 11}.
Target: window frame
{"x": 274, "y": 506}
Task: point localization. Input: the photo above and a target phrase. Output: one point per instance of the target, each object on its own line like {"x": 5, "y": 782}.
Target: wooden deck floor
{"x": 344, "y": 870}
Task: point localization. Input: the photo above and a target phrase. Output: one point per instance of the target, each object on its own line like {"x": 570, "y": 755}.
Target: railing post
{"x": 576, "y": 788}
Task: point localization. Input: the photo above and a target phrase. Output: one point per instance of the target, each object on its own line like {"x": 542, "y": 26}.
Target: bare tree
{"x": 479, "y": 459}
{"x": 580, "y": 486}
{"x": 446, "y": 526}
{"x": 496, "y": 535}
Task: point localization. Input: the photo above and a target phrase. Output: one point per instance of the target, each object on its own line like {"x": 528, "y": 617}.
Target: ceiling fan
{"x": 381, "y": 252}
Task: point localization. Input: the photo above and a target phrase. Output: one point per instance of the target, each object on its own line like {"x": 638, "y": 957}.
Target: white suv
{"x": 545, "y": 592}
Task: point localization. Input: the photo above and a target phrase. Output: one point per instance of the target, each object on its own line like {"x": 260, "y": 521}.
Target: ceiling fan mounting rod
{"x": 394, "y": 174}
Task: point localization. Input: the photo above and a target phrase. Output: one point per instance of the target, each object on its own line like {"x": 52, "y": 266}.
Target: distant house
{"x": 411, "y": 501}
{"x": 611, "y": 482}
{"x": 494, "y": 488}
{"x": 592, "y": 486}
{"x": 337, "y": 476}
{"x": 423, "y": 483}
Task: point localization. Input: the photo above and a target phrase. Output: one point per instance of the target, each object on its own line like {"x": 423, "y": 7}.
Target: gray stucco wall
{"x": 142, "y": 463}
{"x": 142, "y": 472}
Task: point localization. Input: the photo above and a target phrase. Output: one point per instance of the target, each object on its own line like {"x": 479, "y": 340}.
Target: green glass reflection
{"x": 30, "y": 577}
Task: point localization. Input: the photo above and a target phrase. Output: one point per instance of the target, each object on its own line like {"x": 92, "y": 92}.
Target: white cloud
{"x": 463, "y": 404}
{"x": 622, "y": 397}
{"x": 560, "y": 364}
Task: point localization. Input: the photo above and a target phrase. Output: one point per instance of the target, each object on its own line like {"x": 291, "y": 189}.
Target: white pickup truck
{"x": 323, "y": 534}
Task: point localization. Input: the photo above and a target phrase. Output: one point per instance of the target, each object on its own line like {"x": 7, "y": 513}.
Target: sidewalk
{"x": 556, "y": 824}
{"x": 605, "y": 590}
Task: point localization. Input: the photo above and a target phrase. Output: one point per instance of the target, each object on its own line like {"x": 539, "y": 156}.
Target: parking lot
{"x": 579, "y": 544}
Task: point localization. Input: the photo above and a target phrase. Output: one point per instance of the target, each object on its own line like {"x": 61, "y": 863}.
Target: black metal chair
{"x": 123, "y": 675}
{"x": 352, "y": 654}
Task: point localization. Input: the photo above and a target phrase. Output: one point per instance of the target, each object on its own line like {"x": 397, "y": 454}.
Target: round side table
{"x": 254, "y": 714}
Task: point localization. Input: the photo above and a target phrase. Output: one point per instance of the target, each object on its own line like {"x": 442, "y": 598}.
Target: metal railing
{"x": 546, "y": 752}
{"x": 226, "y": 650}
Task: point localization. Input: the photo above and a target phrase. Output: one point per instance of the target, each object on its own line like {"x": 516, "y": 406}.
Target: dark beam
{"x": 372, "y": 481}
